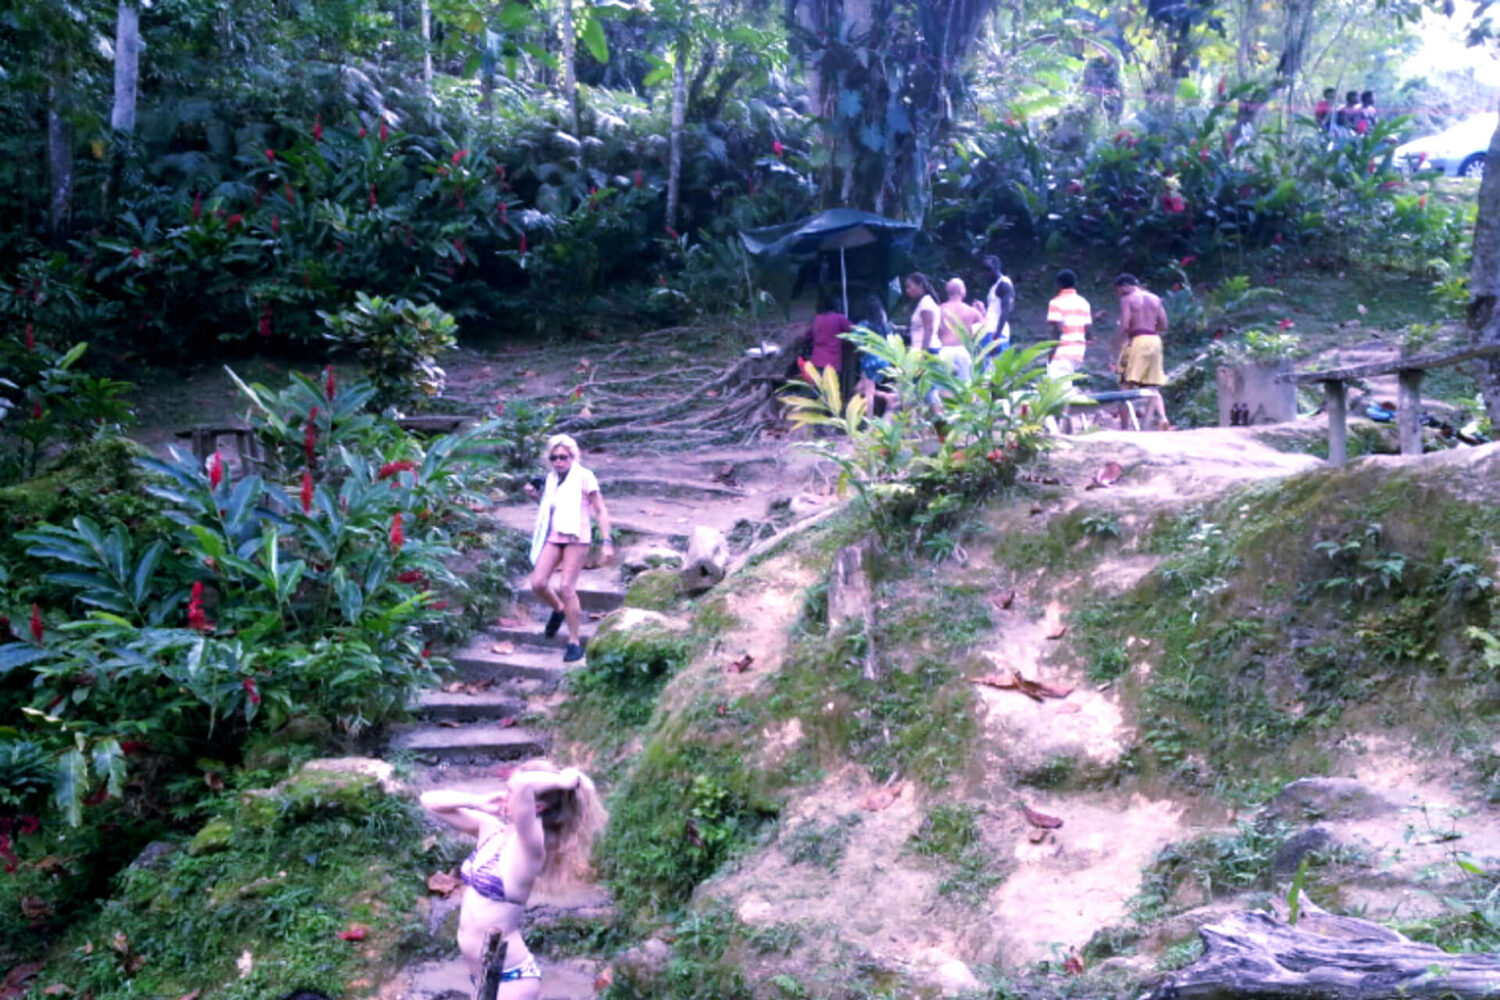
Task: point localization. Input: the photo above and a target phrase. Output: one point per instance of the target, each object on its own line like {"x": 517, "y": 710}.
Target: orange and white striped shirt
{"x": 1070, "y": 311}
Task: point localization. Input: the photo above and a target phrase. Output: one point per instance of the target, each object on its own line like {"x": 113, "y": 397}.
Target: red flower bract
{"x": 458, "y": 157}
{"x": 398, "y": 537}
{"x": 374, "y": 201}
{"x": 215, "y": 470}
{"x": 275, "y": 223}
{"x": 310, "y": 435}
{"x": 234, "y": 220}
{"x": 328, "y": 384}
{"x": 1285, "y": 324}
{"x": 362, "y": 132}
{"x": 640, "y": 178}
{"x": 36, "y": 624}
{"x": 390, "y": 469}
{"x": 385, "y": 133}
{"x": 318, "y": 128}
{"x": 307, "y": 492}
{"x": 1189, "y": 259}
{"x": 778, "y": 148}
{"x": 410, "y": 576}
{"x": 250, "y": 690}
{"x": 265, "y": 321}
{"x": 270, "y": 156}
{"x": 523, "y": 242}
{"x": 30, "y": 337}
{"x": 197, "y": 617}
{"x": 197, "y": 206}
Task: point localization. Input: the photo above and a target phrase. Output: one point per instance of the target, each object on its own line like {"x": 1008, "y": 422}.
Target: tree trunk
{"x": 127, "y": 65}
{"x": 570, "y": 82}
{"x": 59, "y": 153}
{"x": 1484, "y": 280}
{"x": 1257, "y": 956}
{"x": 427, "y": 47}
{"x": 674, "y": 155}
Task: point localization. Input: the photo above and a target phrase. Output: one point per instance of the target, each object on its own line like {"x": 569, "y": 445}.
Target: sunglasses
{"x": 560, "y": 457}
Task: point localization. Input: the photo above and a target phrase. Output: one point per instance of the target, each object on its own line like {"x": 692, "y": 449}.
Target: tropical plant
{"x": 948, "y": 442}
{"x": 397, "y": 341}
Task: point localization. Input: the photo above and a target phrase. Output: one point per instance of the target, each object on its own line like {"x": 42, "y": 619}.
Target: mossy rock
{"x": 654, "y": 590}
{"x": 350, "y": 787}
{"x": 215, "y": 836}
{"x": 280, "y": 750}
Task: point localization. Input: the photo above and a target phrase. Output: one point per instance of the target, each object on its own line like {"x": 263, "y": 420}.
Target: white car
{"x": 1457, "y": 151}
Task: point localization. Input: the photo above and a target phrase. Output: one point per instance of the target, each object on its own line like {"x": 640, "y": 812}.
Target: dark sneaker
{"x": 554, "y": 622}
{"x": 573, "y": 653}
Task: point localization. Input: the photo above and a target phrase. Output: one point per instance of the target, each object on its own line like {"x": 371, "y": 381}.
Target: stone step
{"x": 677, "y": 487}
{"x": 589, "y": 599}
{"x": 496, "y": 703}
{"x": 532, "y": 636}
{"x": 448, "y": 979}
{"x": 478, "y": 661}
{"x": 476, "y": 740}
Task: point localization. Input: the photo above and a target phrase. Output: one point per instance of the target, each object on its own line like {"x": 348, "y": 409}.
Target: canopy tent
{"x": 876, "y": 248}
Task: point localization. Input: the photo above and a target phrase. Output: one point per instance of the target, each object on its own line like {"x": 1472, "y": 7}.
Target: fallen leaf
{"x": 1004, "y": 600}
{"x": 739, "y": 666}
{"x": 13, "y": 986}
{"x": 1005, "y": 680}
{"x": 583, "y": 364}
{"x": 428, "y": 843}
{"x": 1039, "y": 819}
{"x": 503, "y": 648}
{"x": 1108, "y": 473}
{"x": 134, "y": 964}
{"x": 528, "y": 374}
{"x": 35, "y": 908}
{"x": 604, "y": 979}
{"x": 585, "y": 412}
{"x": 190, "y": 996}
{"x": 881, "y": 798}
{"x": 1056, "y": 628}
{"x": 507, "y": 722}
{"x": 1009, "y": 680}
{"x": 50, "y": 865}
{"x": 444, "y": 883}
{"x": 1073, "y": 964}
{"x": 356, "y": 932}
{"x": 1361, "y": 308}
{"x": 596, "y": 615}
{"x": 57, "y": 990}
{"x": 456, "y": 687}
{"x": 1037, "y": 508}
{"x": 509, "y": 622}
{"x": 245, "y": 963}
{"x": 449, "y": 724}
{"x": 1039, "y": 836}
{"x": 120, "y": 943}
{"x": 213, "y": 780}
{"x": 712, "y": 394}
{"x": 1069, "y": 708}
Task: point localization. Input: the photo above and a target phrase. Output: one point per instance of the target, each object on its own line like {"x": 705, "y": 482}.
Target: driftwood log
{"x": 1324, "y": 957}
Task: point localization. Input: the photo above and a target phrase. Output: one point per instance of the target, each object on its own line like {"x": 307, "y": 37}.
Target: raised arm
{"x": 1161, "y": 317}
{"x": 525, "y": 786}
{"x": 464, "y": 811}
{"x": 601, "y": 514}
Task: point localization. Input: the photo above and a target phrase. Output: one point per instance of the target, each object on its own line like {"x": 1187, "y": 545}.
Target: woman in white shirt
{"x": 927, "y": 318}
{"x": 562, "y": 537}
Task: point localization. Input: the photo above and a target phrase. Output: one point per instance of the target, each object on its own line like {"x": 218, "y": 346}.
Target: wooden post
{"x": 1409, "y": 410}
{"x": 1336, "y": 394}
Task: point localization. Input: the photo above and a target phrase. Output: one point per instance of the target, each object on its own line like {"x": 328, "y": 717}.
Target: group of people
{"x": 938, "y": 327}
{"x": 1356, "y": 116}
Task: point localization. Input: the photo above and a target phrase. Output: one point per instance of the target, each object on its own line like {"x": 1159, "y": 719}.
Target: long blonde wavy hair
{"x": 571, "y": 821}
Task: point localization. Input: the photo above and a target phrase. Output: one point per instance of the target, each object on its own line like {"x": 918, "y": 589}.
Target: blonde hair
{"x": 569, "y": 828}
{"x": 564, "y": 441}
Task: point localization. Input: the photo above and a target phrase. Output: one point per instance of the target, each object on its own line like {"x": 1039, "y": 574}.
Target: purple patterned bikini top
{"x": 481, "y": 870}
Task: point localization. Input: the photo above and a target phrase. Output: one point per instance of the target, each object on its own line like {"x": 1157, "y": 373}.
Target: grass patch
{"x": 949, "y": 836}
{"x": 820, "y": 844}
{"x": 282, "y": 892}
{"x": 626, "y": 671}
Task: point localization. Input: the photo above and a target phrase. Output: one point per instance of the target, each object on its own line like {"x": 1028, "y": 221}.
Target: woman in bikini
{"x": 562, "y": 537}
{"x": 554, "y": 816}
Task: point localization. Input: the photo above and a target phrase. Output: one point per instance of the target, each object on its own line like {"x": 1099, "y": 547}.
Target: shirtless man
{"x": 1142, "y": 322}
{"x": 958, "y": 314}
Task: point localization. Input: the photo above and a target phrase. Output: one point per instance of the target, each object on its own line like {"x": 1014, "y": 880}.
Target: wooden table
{"x": 1409, "y": 369}
{"x": 205, "y": 437}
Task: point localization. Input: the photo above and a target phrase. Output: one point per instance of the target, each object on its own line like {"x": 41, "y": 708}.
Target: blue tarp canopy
{"x": 871, "y": 250}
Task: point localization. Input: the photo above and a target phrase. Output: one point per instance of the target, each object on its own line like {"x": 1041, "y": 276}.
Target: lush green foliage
{"x": 627, "y": 669}
{"x": 398, "y": 343}
{"x": 984, "y": 430}
{"x": 46, "y": 400}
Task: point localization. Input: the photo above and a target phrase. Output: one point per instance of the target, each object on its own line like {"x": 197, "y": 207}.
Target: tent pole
{"x": 749, "y": 288}
{"x": 844, "y": 277}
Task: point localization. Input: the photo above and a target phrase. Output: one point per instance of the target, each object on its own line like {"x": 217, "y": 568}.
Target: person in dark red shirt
{"x": 823, "y": 335}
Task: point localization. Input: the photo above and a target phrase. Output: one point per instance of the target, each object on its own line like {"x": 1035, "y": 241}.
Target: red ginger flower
{"x": 318, "y": 128}
{"x": 385, "y": 133}
{"x": 640, "y": 179}
{"x": 310, "y": 435}
{"x": 288, "y": 193}
{"x": 197, "y": 617}
{"x": 197, "y": 206}
{"x": 523, "y": 242}
{"x": 1285, "y": 324}
{"x": 275, "y": 223}
{"x": 398, "y": 537}
{"x": 234, "y": 220}
{"x": 307, "y": 492}
{"x": 250, "y": 690}
{"x": 1189, "y": 259}
{"x": 778, "y": 148}
{"x": 1422, "y": 202}
{"x": 374, "y": 201}
{"x": 362, "y": 132}
{"x": 270, "y": 156}
{"x": 390, "y": 469}
{"x": 265, "y": 321}
{"x": 328, "y": 384}
{"x": 36, "y": 411}
{"x": 411, "y": 576}
{"x": 31, "y": 337}
{"x": 458, "y": 245}
{"x": 215, "y": 470}
{"x": 458, "y": 157}
{"x": 36, "y": 624}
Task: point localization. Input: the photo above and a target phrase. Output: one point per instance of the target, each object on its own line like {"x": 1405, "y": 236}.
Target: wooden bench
{"x": 205, "y": 437}
{"x": 1409, "y": 369}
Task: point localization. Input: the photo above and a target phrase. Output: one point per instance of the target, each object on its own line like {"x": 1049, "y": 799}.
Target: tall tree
{"x": 674, "y": 153}
{"x": 884, "y": 80}
{"x": 127, "y": 65}
{"x": 1484, "y": 281}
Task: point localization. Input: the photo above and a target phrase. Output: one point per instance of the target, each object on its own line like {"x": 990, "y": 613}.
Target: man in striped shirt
{"x": 1070, "y": 318}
